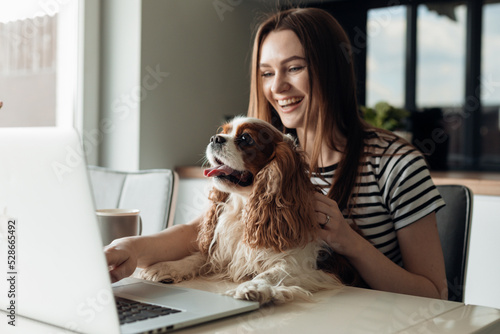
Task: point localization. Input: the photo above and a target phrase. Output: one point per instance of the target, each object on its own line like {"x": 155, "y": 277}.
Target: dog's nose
{"x": 217, "y": 139}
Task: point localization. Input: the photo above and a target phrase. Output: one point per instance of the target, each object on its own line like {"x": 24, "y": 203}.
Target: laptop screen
{"x": 60, "y": 274}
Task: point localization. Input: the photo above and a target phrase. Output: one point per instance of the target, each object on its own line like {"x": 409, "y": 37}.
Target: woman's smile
{"x": 287, "y": 105}
{"x": 284, "y": 76}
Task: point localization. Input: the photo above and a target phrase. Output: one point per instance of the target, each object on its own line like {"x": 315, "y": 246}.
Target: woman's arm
{"x": 423, "y": 273}
{"x": 125, "y": 254}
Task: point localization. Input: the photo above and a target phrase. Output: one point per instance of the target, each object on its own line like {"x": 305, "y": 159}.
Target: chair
{"x": 453, "y": 222}
{"x": 153, "y": 192}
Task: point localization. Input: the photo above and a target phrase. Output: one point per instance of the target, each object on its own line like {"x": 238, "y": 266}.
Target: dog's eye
{"x": 245, "y": 140}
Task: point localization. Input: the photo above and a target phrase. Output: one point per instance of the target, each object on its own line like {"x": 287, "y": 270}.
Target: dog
{"x": 260, "y": 230}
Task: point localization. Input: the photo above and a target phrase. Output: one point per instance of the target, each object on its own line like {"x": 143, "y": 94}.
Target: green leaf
{"x": 385, "y": 116}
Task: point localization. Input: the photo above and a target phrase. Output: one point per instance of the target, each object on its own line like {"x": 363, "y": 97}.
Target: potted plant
{"x": 387, "y": 117}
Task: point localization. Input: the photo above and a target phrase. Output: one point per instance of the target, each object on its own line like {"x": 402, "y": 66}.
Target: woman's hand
{"x": 424, "y": 273}
{"x": 174, "y": 243}
{"x": 334, "y": 229}
{"x": 121, "y": 256}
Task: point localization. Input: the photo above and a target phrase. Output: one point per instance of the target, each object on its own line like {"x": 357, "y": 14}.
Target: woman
{"x": 303, "y": 82}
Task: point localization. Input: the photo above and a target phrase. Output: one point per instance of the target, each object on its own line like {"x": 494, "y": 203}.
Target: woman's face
{"x": 284, "y": 75}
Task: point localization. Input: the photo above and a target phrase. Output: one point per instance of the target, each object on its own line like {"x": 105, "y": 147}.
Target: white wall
{"x": 88, "y": 94}
{"x": 483, "y": 270}
{"x": 203, "y": 56}
{"x": 170, "y": 73}
{"x": 120, "y": 83}
{"x": 192, "y": 199}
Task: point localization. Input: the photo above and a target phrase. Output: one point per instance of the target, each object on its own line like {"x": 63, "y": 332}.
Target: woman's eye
{"x": 266, "y": 74}
{"x": 296, "y": 68}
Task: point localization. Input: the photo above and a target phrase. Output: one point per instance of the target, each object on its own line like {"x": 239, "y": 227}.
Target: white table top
{"x": 349, "y": 310}
{"x": 354, "y": 310}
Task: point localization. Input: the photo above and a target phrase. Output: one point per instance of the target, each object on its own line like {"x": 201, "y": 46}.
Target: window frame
{"x": 356, "y": 12}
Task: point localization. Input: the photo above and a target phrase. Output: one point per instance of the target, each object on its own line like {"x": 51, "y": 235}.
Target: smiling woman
{"x": 368, "y": 176}
{"x": 285, "y": 79}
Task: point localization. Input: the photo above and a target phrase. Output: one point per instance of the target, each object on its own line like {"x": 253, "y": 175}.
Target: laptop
{"x": 58, "y": 270}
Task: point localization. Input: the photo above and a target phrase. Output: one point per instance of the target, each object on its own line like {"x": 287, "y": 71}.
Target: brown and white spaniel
{"x": 260, "y": 229}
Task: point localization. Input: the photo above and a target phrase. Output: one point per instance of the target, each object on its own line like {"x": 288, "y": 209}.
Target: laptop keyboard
{"x": 131, "y": 311}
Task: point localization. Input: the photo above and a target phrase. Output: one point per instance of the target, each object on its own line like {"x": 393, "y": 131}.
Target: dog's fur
{"x": 260, "y": 229}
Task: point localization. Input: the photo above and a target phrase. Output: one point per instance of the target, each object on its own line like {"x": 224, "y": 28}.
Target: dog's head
{"x": 242, "y": 150}
{"x": 252, "y": 158}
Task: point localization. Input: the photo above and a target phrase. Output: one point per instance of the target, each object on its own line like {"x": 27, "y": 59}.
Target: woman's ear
{"x": 207, "y": 229}
{"x": 280, "y": 211}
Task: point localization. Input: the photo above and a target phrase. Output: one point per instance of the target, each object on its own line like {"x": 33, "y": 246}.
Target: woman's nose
{"x": 280, "y": 84}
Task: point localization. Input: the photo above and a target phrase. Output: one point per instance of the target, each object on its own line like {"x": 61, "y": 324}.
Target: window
{"x": 440, "y": 55}
{"x": 490, "y": 90}
{"x": 440, "y": 84}
{"x": 490, "y": 86}
{"x": 455, "y": 105}
{"x": 386, "y": 55}
{"x": 38, "y": 62}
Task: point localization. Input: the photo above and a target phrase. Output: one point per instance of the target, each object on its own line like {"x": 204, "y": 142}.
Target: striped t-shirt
{"x": 393, "y": 190}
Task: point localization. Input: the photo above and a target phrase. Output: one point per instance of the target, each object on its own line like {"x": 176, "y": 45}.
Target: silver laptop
{"x": 58, "y": 269}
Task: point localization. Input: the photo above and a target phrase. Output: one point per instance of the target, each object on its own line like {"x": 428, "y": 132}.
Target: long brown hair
{"x": 332, "y": 83}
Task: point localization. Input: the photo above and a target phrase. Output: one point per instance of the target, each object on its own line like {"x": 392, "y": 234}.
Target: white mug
{"x": 118, "y": 223}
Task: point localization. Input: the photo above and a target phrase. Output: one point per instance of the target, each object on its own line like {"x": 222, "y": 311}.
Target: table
{"x": 348, "y": 310}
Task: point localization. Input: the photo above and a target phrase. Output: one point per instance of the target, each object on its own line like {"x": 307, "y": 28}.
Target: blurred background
{"x": 147, "y": 82}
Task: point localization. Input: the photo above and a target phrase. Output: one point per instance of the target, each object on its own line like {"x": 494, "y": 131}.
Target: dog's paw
{"x": 254, "y": 291}
{"x": 263, "y": 292}
{"x": 165, "y": 272}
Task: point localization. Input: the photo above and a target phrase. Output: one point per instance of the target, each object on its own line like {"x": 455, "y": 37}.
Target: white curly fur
{"x": 266, "y": 275}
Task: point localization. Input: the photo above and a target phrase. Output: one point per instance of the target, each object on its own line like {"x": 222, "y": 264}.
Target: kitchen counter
{"x": 481, "y": 183}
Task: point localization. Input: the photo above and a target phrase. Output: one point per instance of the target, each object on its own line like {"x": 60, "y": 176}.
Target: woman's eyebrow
{"x": 284, "y": 61}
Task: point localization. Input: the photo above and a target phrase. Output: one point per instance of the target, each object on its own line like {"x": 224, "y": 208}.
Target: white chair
{"x": 153, "y": 192}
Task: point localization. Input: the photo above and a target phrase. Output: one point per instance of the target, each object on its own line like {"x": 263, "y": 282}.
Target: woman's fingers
{"x": 326, "y": 209}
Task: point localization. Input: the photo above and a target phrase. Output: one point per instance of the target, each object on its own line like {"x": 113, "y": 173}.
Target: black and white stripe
{"x": 394, "y": 189}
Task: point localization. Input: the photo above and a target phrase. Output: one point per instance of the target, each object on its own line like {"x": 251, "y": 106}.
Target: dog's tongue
{"x": 219, "y": 170}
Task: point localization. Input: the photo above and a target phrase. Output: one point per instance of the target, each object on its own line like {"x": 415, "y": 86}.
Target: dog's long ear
{"x": 207, "y": 229}
{"x": 280, "y": 210}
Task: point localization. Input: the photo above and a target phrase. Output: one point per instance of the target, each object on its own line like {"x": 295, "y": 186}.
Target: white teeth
{"x": 289, "y": 101}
